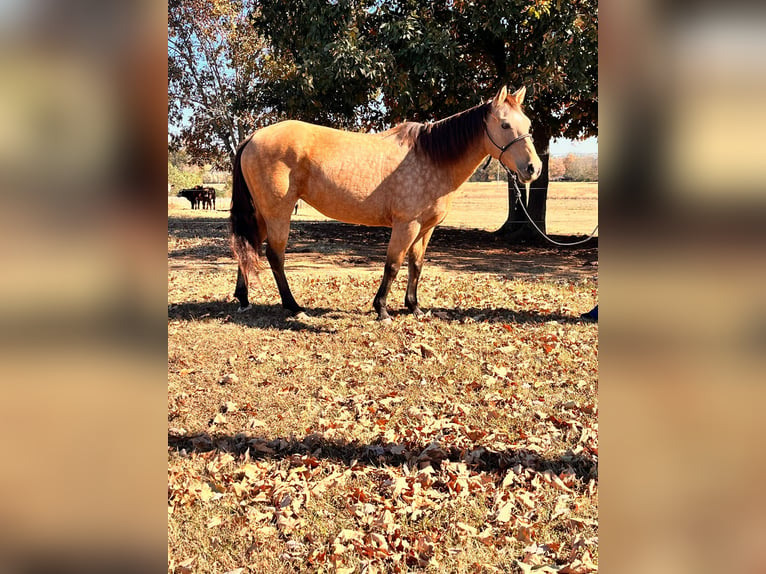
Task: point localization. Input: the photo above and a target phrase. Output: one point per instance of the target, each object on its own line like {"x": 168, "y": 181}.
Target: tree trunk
{"x": 517, "y": 228}
{"x": 538, "y": 195}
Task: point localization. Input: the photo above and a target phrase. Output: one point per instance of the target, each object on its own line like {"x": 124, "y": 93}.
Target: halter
{"x": 506, "y": 146}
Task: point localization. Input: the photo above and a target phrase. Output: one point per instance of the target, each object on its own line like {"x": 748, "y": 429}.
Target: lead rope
{"x": 512, "y": 175}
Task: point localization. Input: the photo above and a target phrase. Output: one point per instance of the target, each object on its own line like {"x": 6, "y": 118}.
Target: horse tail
{"x": 244, "y": 223}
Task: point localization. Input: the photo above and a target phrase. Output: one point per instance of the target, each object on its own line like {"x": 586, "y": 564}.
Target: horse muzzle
{"x": 529, "y": 173}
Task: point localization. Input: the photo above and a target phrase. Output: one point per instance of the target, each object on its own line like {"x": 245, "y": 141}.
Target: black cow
{"x": 199, "y": 197}
{"x": 208, "y": 198}
{"x": 193, "y": 195}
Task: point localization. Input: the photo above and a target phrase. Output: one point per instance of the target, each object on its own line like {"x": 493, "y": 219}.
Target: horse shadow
{"x": 259, "y": 315}
{"x": 275, "y": 316}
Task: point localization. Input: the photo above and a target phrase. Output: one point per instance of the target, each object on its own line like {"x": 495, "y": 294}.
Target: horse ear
{"x": 499, "y": 100}
{"x": 518, "y": 95}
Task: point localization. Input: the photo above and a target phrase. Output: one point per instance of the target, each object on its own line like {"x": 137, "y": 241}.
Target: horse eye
{"x": 505, "y": 125}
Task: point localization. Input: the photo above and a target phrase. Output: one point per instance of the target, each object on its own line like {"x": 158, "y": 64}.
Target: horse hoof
{"x": 243, "y": 309}
{"x": 301, "y": 315}
{"x": 386, "y": 320}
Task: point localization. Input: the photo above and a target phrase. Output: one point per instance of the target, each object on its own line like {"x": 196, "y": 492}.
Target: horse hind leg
{"x": 248, "y": 260}
{"x": 275, "y": 253}
{"x": 241, "y": 292}
{"x": 415, "y": 266}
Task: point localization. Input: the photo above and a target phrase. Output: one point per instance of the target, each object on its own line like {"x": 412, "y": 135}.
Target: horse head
{"x": 509, "y": 139}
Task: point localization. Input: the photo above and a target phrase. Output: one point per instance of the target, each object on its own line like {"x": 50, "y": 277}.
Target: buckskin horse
{"x": 403, "y": 178}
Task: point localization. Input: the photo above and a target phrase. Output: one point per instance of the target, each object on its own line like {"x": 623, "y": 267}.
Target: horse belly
{"x": 351, "y": 196}
{"x": 349, "y": 209}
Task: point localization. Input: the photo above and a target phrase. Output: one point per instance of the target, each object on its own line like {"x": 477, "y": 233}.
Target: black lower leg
{"x": 277, "y": 267}
{"x": 240, "y": 292}
{"x": 411, "y": 298}
{"x": 411, "y": 302}
{"x": 379, "y": 303}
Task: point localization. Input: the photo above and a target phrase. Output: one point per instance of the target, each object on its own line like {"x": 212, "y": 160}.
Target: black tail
{"x": 244, "y": 224}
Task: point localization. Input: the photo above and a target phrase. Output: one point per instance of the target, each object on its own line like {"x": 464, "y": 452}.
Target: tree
{"x": 381, "y": 63}
{"x": 581, "y": 167}
{"x": 556, "y": 168}
{"x": 561, "y": 52}
{"x": 328, "y": 64}
{"x": 183, "y": 178}
{"x": 216, "y": 65}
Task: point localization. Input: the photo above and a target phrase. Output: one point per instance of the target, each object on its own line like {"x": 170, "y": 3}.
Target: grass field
{"x": 572, "y": 208}
{"x": 464, "y": 441}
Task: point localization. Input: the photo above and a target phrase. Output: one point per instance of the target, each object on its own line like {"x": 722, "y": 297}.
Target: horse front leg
{"x": 402, "y": 237}
{"x": 415, "y": 266}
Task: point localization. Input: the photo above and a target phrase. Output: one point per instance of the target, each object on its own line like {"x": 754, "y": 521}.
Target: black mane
{"x": 446, "y": 140}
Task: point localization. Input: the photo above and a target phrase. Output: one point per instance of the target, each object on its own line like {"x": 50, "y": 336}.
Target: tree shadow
{"x": 501, "y": 315}
{"x": 414, "y": 455}
{"x": 189, "y": 227}
{"x": 453, "y": 248}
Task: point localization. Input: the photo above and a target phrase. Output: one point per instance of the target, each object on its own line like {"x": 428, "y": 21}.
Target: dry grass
{"x": 572, "y": 208}
{"x": 462, "y": 442}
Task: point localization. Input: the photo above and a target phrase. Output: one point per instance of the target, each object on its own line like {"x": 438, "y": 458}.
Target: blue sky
{"x": 563, "y": 146}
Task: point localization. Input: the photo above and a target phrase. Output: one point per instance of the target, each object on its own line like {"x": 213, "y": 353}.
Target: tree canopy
{"x": 366, "y": 64}
{"x": 217, "y": 64}
{"x": 428, "y": 60}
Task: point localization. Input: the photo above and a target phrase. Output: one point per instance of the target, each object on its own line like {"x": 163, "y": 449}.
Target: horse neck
{"x": 462, "y": 168}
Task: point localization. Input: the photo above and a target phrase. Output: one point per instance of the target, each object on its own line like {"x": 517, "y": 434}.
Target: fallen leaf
{"x": 206, "y": 493}
{"x": 562, "y": 507}
{"x": 185, "y": 566}
{"x": 267, "y": 531}
{"x": 509, "y": 479}
{"x": 524, "y": 532}
{"x": 286, "y": 524}
{"x": 579, "y": 567}
{"x": 526, "y": 498}
{"x": 399, "y": 485}
{"x": 559, "y": 484}
{"x": 215, "y": 521}
{"x": 347, "y": 535}
{"x": 486, "y": 537}
{"x": 531, "y": 568}
{"x": 505, "y": 512}
{"x": 379, "y": 540}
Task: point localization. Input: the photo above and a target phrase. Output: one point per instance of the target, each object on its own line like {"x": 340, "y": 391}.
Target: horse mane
{"x": 446, "y": 140}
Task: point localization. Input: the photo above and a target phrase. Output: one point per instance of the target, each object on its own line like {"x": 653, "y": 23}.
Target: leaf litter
{"x": 466, "y": 441}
